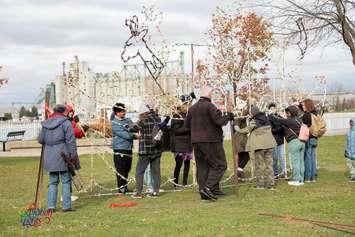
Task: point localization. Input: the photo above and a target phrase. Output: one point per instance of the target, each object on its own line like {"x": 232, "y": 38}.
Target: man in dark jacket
{"x": 57, "y": 137}
{"x": 278, "y": 132}
{"x": 205, "y": 123}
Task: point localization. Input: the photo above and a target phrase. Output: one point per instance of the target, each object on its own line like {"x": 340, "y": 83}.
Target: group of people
{"x": 194, "y": 130}
{"x": 267, "y": 133}
{"x": 197, "y": 128}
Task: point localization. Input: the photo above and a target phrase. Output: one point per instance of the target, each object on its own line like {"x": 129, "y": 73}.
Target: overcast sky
{"x": 36, "y": 36}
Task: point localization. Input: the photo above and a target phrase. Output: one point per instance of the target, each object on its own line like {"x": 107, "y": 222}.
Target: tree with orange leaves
{"x": 241, "y": 44}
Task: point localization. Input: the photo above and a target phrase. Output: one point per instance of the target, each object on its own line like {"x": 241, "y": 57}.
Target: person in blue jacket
{"x": 57, "y": 137}
{"x": 123, "y": 135}
{"x": 350, "y": 150}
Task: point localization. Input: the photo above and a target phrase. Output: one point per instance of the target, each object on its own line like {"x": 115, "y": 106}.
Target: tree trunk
{"x": 347, "y": 31}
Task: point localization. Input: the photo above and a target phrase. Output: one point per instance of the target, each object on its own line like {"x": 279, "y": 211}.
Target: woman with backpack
{"x": 295, "y": 146}
{"x": 310, "y": 163}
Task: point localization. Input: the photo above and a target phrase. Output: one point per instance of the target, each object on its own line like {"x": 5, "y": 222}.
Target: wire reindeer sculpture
{"x": 136, "y": 46}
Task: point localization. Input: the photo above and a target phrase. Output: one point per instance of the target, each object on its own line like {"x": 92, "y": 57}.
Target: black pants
{"x": 178, "y": 164}
{"x": 123, "y": 164}
{"x": 143, "y": 162}
{"x": 211, "y": 164}
{"x": 243, "y": 159}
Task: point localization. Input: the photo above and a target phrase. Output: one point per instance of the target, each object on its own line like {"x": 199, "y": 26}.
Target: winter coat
{"x": 57, "y": 136}
{"x": 260, "y": 137}
{"x": 205, "y": 122}
{"x": 292, "y": 125}
{"x": 122, "y": 139}
{"x": 180, "y": 138}
{"x": 278, "y": 131}
{"x": 78, "y": 131}
{"x": 240, "y": 139}
{"x": 350, "y": 142}
{"x": 146, "y": 122}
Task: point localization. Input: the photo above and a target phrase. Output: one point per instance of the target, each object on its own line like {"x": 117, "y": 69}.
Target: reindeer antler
{"x": 133, "y": 25}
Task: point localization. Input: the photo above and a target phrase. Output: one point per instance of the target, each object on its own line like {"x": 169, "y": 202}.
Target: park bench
{"x": 12, "y": 136}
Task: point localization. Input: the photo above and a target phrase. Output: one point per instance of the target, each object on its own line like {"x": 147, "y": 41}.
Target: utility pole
{"x": 192, "y": 53}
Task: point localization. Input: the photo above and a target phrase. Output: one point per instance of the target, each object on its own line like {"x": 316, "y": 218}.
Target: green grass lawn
{"x": 331, "y": 198}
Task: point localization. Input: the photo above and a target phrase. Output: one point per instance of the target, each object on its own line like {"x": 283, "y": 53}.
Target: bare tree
{"x": 310, "y": 22}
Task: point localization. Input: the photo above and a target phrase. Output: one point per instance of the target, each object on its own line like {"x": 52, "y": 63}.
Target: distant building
{"x": 91, "y": 92}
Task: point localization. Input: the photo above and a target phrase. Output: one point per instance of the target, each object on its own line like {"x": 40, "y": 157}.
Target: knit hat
{"x": 272, "y": 104}
{"x": 143, "y": 108}
{"x": 293, "y": 110}
{"x": 59, "y": 108}
{"x": 254, "y": 110}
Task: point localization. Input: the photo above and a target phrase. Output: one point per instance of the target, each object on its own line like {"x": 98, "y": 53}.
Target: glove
{"x": 230, "y": 116}
{"x": 76, "y": 118}
{"x": 167, "y": 119}
{"x": 75, "y": 161}
{"x": 85, "y": 127}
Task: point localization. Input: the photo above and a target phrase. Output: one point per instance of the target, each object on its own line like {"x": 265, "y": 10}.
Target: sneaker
{"x": 205, "y": 198}
{"x": 270, "y": 188}
{"x": 68, "y": 210}
{"x": 313, "y": 180}
{"x": 307, "y": 181}
{"x": 153, "y": 195}
{"x": 351, "y": 180}
{"x": 208, "y": 193}
{"x": 282, "y": 175}
{"x": 295, "y": 183}
{"x": 137, "y": 196}
{"x": 149, "y": 190}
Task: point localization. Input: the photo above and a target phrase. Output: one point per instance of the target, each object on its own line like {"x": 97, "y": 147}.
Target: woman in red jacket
{"x": 78, "y": 129}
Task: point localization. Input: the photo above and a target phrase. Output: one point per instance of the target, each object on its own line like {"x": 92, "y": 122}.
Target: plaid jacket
{"x": 146, "y": 123}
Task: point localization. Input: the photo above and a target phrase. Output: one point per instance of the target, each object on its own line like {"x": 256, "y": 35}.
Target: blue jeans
{"x": 296, "y": 149}
{"x": 310, "y": 168}
{"x": 53, "y": 189}
{"x": 278, "y": 163}
{"x": 148, "y": 178}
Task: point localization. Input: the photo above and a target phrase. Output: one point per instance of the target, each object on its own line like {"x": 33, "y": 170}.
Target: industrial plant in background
{"x": 92, "y": 93}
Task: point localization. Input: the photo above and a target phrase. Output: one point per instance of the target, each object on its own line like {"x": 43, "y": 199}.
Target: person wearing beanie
{"x": 79, "y": 131}
{"x": 278, "y": 131}
{"x": 149, "y": 152}
{"x": 350, "y": 150}
{"x": 296, "y": 147}
{"x": 260, "y": 144}
{"x": 122, "y": 145}
{"x": 205, "y": 121}
{"x": 57, "y": 137}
